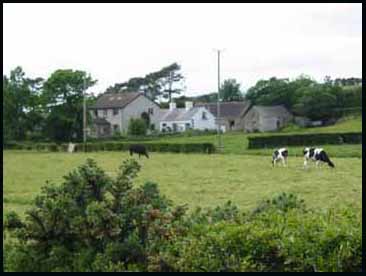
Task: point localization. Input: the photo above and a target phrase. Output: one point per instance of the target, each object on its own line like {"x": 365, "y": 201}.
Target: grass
{"x": 347, "y": 124}
{"x": 237, "y": 142}
{"x": 195, "y": 179}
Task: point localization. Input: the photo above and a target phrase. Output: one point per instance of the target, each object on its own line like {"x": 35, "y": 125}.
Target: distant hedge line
{"x": 115, "y": 146}
{"x": 304, "y": 139}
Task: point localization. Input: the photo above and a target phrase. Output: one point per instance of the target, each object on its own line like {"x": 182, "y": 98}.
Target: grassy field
{"x": 237, "y": 142}
{"x": 195, "y": 179}
{"x": 348, "y": 124}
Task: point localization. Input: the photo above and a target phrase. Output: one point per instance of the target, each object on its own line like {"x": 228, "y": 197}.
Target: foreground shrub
{"x": 276, "y": 239}
{"x": 93, "y": 222}
{"x": 90, "y": 223}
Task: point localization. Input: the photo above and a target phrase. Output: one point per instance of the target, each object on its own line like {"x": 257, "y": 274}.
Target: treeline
{"x": 45, "y": 109}
{"x": 51, "y": 109}
{"x": 307, "y": 97}
{"x": 303, "y": 96}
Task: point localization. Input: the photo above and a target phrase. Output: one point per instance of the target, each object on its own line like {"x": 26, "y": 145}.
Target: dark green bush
{"x": 90, "y": 221}
{"x": 275, "y": 239}
{"x": 304, "y": 140}
{"x": 137, "y": 127}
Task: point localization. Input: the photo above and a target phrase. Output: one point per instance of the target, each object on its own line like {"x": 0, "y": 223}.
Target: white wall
{"x": 198, "y": 122}
{"x": 135, "y": 108}
{"x": 202, "y": 124}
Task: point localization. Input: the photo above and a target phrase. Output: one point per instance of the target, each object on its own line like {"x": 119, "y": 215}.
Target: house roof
{"x": 227, "y": 109}
{"x": 115, "y": 100}
{"x": 100, "y": 121}
{"x": 178, "y": 114}
{"x": 271, "y": 111}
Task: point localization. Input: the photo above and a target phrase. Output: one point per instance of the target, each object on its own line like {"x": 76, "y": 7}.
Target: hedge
{"x": 115, "y": 146}
{"x": 304, "y": 140}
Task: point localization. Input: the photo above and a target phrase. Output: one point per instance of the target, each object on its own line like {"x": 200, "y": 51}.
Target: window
{"x": 151, "y": 111}
{"x": 96, "y": 113}
{"x": 105, "y": 113}
{"x": 115, "y": 128}
{"x": 188, "y": 125}
{"x": 164, "y": 125}
{"x": 115, "y": 111}
{"x": 204, "y": 116}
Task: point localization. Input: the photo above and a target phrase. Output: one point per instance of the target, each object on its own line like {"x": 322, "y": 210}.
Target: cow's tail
{"x": 326, "y": 159}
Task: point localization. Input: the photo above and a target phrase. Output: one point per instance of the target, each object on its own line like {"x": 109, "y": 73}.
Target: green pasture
{"x": 193, "y": 179}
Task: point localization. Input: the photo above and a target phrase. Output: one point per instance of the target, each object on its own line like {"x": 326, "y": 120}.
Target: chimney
{"x": 189, "y": 105}
{"x": 172, "y": 106}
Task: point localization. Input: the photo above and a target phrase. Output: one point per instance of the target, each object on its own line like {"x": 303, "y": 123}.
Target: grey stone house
{"x": 231, "y": 113}
{"x": 266, "y": 118}
{"x": 112, "y": 112}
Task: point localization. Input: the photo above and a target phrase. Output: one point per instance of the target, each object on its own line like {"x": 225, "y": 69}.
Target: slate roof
{"x": 115, "y": 100}
{"x": 178, "y": 114}
{"x": 271, "y": 111}
{"x": 227, "y": 109}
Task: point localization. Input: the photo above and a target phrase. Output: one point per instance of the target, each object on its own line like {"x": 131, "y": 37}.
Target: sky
{"x": 115, "y": 42}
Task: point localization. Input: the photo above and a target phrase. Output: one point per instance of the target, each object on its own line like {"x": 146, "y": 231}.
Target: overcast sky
{"x": 114, "y": 42}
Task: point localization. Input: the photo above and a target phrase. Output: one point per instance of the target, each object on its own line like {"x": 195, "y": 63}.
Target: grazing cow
{"x": 280, "y": 154}
{"x": 317, "y": 155}
{"x": 140, "y": 149}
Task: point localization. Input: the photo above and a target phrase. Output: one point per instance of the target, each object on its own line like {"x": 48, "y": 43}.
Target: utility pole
{"x": 218, "y": 102}
{"x": 84, "y": 115}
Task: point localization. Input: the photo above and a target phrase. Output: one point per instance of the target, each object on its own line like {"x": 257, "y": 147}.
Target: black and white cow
{"x": 318, "y": 155}
{"x": 280, "y": 154}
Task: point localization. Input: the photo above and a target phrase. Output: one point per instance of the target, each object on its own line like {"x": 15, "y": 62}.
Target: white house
{"x": 180, "y": 119}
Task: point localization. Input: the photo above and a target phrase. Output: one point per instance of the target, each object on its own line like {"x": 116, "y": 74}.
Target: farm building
{"x": 180, "y": 119}
{"x": 112, "y": 112}
{"x": 231, "y": 113}
{"x": 266, "y": 118}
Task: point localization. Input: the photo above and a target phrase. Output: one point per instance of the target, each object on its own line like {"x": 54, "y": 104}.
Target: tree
{"x": 21, "y": 104}
{"x": 171, "y": 76}
{"x": 163, "y": 83}
{"x": 277, "y": 91}
{"x": 317, "y": 102}
{"x": 230, "y": 91}
{"x": 63, "y": 99}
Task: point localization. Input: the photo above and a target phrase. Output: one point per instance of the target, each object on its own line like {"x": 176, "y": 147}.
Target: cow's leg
{"x": 317, "y": 163}
{"x": 274, "y": 162}
{"x": 305, "y": 162}
{"x": 285, "y": 161}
